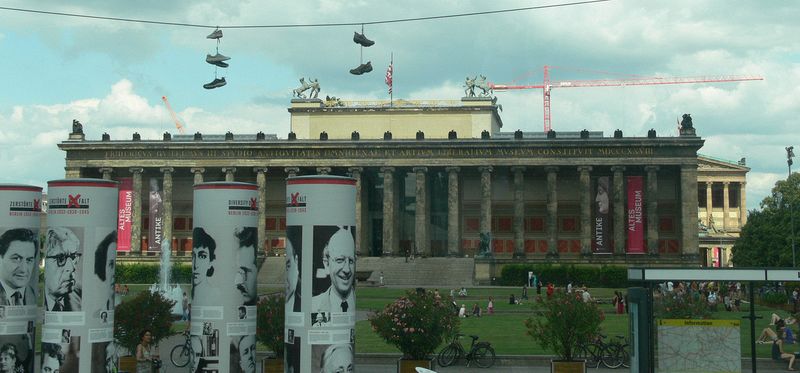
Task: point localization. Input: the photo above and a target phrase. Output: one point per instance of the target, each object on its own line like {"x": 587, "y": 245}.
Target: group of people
{"x": 782, "y": 334}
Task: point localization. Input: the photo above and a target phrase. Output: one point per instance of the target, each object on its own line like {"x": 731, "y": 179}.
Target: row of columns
{"x": 725, "y": 204}
{"x": 688, "y": 207}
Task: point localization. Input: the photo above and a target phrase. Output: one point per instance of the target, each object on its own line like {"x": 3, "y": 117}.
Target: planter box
{"x": 560, "y": 366}
{"x": 269, "y": 365}
{"x": 408, "y": 366}
{"x": 127, "y": 364}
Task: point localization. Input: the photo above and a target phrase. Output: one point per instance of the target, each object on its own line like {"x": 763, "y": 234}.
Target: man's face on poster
{"x": 50, "y": 364}
{"x": 339, "y": 361}
{"x": 17, "y": 264}
{"x": 292, "y": 272}
{"x": 245, "y": 276}
{"x": 61, "y": 261}
{"x": 247, "y": 353}
{"x": 341, "y": 262}
{"x": 111, "y": 352}
{"x": 201, "y": 262}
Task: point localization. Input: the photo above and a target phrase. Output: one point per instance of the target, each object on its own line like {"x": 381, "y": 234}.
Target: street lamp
{"x": 789, "y": 156}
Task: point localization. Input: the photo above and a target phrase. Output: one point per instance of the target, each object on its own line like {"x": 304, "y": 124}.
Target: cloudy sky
{"x": 111, "y": 75}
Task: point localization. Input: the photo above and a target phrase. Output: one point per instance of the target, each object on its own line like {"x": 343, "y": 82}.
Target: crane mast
{"x": 174, "y": 116}
{"x": 547, "y": 85}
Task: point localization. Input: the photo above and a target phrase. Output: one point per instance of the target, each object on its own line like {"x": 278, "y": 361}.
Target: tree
{"x": 766, "y": 240}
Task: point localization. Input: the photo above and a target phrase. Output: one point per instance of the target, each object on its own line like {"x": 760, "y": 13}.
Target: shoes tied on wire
{"x": 361, "y": 69}
{"x": 216, "y": 83}
{"x": 361, "y": 39}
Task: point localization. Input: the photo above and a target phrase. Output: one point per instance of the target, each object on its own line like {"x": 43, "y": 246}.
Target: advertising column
{"x": 320, "y": 270}
{"x": 80, "y": 251}
{"x": 224, "y": 296}
{"x": 20, "y": 209}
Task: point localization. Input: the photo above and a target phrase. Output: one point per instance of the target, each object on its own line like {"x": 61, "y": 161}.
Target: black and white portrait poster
{"x": 333, "y": 358}
{"x": 20, "y": 208}
{"x": 224, "y": 294}
{"x": 291, "y": 352}
{"x": 294, "y": 266}
{"x": 79, "y": 255}
{"x": 323, "y": 210}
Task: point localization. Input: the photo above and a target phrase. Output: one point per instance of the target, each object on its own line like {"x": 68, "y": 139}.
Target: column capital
{"x": 106, "y": 169}
{"x": 485, "y": 168}
{"x": 323, "y": 170}
{"x": 689, "y": 167}
{"x": 229, "y": 169}
{"x": 260, "y": 170}
{"x": 354, "y": 170}
{"x": 418, "y": 170}
{"x": 551, "y": 169}
{"x": 166, "y": 169}
{"x": 293, "y": 171}
{"x": 651, "y": 168}
{"x": 136, "y": 170}
{"x": 196, "y": 170}
{"x": 387, "y": 169}
{"x": 516, "y": 169}
{"x": 453, "y": 169}
{"x": 726, "y": 183}
{"x": 709, "y": 183}
{"x": 743, "y": 183}
{"x": 584, "y": 168}
{"x": 617, "y": 168}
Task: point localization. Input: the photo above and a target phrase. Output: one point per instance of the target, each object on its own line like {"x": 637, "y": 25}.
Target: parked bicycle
{"x": 598, "y": 351}
{"x": 481, "y": 353}
{"x": 181, "y": 355}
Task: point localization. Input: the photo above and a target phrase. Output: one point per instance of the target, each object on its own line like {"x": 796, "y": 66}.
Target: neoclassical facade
{"x": 722, "y": 205}
{"x": 431, "y": 177}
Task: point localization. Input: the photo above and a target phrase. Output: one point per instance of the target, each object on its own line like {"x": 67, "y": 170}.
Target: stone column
{"x": 388, "y": 210}
{"x": 167, "y": 205}
{"x": 709, "y": 205}
{"x": 519, "y": 211}
{"x": 453, "y": 205}
{"x": 586, "y": 209}
{"x": 292, "y": 171}
{"x": 651, "y": 202}
{"x": 552, "y": 212}
{"x": 421, "y": 242}
{"x": 106, "y": 171}
{"x": 619, "y": 210}
{"x": 198, "y": 174}
{"x": 229, "y": 171}
{"x": 261, "y": 181}
{"x": 486, "y": 201}
{"x": 136, "y": 213}
{"x": 726, "y": 206}
{"x": 689, "y": 239}
{"x": 323, "y": 170}
{"x": 355, "y": 172}
{"x": 72, "y": 172}
{"x": 742, "y": 205}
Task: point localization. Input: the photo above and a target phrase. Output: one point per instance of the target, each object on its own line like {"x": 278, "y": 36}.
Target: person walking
{"x": 490, "y": 307}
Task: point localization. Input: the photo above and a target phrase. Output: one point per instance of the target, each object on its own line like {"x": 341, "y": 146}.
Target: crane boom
{"x": 547, "y": 85}
{"x": 175, "y": 119}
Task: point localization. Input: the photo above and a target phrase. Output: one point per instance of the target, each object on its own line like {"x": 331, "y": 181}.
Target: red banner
{"x": 635, "y": 215}
{"x": 124, "y": 214}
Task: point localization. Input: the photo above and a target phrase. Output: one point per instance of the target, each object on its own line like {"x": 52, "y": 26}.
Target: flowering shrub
{"x": 564, "y": 321}
{"x": 269, "y": 322}
{"x": 416, "y": 323}
{"x": 145, "y": 311}
{"x": 673, "y": 305}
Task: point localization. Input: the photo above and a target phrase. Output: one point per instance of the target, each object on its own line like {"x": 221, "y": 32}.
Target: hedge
{"x": 605, "y": 276}
{"x": 140, "y": 273}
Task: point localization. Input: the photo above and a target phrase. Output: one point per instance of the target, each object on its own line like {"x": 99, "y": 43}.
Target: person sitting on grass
{"x": 788, "y": 336}
{"x": 779, "y": 354}
{"x": 768, "y": 335}
{"x": 476, "y": 310}
{"x": 775, "y": 319}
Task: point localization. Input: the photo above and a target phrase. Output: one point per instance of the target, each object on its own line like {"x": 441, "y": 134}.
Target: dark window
{"x": 701, "y": 195}
{"x": 717, "y": 195}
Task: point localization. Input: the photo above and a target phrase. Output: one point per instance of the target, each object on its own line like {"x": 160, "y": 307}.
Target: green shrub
{"x": 605, "y": 276}
{"x": 270, "y": 322}
{"x": 775, "y": 298}
{"x": 142, "y": 273}
{"x": 146, "y": 311}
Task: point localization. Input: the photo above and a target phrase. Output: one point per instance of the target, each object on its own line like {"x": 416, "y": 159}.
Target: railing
{"x": 401, "y": 103}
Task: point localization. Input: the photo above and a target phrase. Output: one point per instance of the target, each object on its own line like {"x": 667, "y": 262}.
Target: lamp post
{"x": 789, "y": 161}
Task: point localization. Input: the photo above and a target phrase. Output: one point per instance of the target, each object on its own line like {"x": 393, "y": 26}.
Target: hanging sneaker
{"x": 361, "y": 39}
{"x": 219, "y": 63}
{"x": 217, "y": 34}
{"x": 216, "y": 58}
{"x": 363, "y": 68}
{"x": 368, "y": 67}
{"x": 216, "y": 83}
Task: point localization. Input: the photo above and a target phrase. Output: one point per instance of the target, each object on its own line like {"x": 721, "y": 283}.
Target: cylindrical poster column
{"x": 320, "y": 252}
{"x": 20, "y": 207}
{"x": 224, "y": 277}
{"x": 80, "y": 250}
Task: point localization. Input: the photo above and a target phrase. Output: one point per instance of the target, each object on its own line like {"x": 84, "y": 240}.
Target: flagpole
{"x": 391, "y": 93}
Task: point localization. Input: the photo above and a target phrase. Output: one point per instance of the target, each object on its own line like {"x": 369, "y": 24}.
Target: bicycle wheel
{"x": 483, "y": 356}
{"x": 592, "y": 353}
{"x": 447, "y": 356}
{"x": 626, "y": 357}
{"x": 612, "y": 357}
{"x": 180, "y": 355}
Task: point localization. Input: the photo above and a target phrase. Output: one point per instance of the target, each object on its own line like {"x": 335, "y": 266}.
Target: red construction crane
{"x": 547, "y": 85}
{"x": 177, "y": 121}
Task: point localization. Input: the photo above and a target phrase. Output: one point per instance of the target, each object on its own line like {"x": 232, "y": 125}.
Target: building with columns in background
{"x": 433, "y": 175}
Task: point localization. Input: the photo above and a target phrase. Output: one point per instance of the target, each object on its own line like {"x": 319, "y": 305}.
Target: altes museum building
{"x": 439, "y": 179}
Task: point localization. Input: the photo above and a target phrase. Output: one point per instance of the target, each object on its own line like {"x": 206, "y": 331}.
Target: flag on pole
{"x": 389, "y": 77}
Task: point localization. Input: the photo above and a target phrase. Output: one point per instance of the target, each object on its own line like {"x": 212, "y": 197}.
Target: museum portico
{"x": 431, "y": 177}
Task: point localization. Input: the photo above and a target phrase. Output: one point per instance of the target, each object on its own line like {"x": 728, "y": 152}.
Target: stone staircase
{"x": 442, "y": 272}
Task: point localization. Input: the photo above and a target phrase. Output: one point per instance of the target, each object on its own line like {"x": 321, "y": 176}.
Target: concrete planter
{"x": 270, "y": 365}
{"x": 408, "y": 366}
{"x": 561, "y": 366}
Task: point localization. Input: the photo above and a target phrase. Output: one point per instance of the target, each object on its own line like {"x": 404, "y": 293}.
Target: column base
{"x": 552, "y": 255}
{"x": 519, "y": 256}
